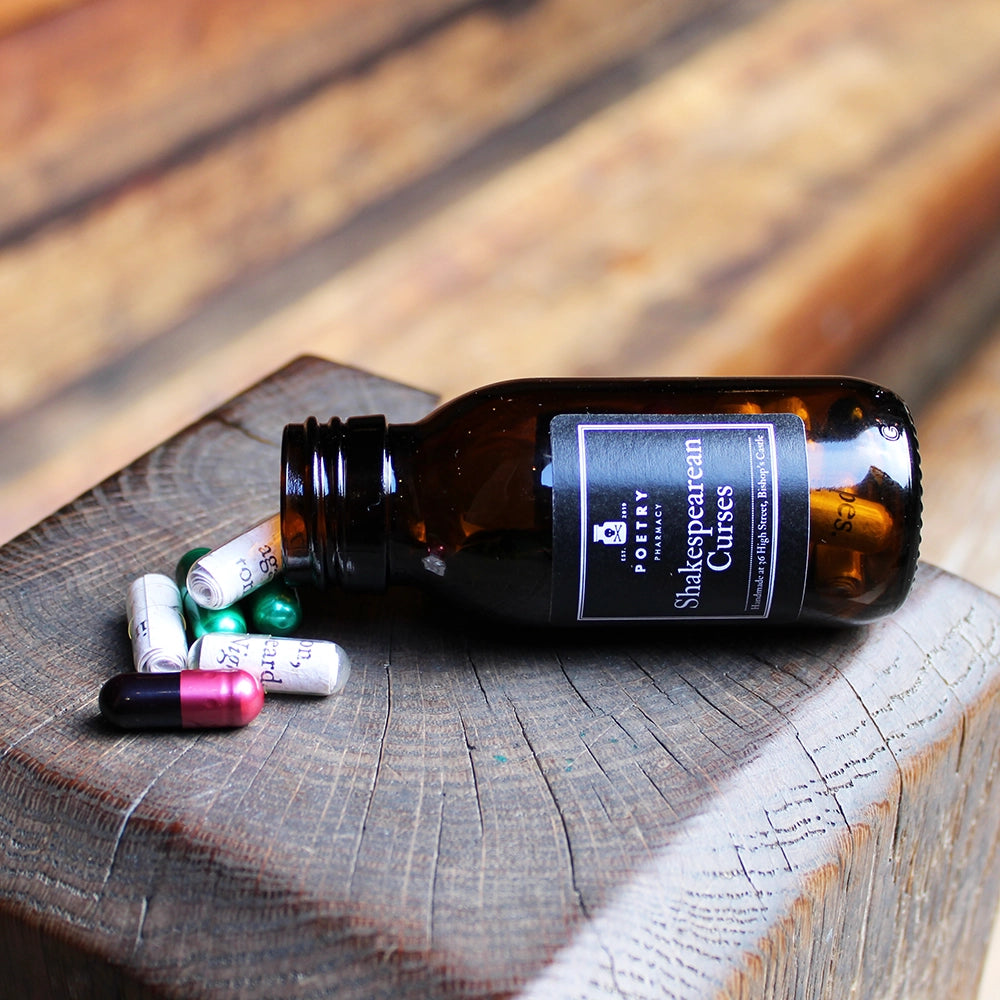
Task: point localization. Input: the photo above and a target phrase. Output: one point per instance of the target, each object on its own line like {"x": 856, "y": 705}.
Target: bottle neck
{"x": 336, "y": 479}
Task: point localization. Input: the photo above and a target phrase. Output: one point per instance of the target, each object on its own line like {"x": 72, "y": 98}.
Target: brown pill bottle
{"x": 589, "y": 502}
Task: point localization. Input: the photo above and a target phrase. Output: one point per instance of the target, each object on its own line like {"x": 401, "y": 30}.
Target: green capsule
{"x": 274, "y": 608}
{"x": 185, "y": 562}
{"x": 201, "y": 621}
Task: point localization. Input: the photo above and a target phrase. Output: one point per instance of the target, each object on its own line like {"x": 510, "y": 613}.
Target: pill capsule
{"x": 202, "y": 620}
{"x": 274, "y": 609}
{"x": 155, "y": 625}
{"x": 185, "y": 699}
{"x": 227, "y": 574}
{"x": 283, "y": 665}
{"x": 839, "y": 517}
{"x": 185, "y": 563}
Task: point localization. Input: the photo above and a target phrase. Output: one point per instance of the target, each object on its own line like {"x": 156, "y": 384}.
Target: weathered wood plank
{"x": 249, "y": 196}
{"x": 738, "y": 214}
{"x": 774, "y": 814}
{"x": 932, "y": 345}
{"x": 112, "y": 87}
{"x": 15, "y": 14}
{"x": 958, "y": 443}
{"x": 772, "y": 203}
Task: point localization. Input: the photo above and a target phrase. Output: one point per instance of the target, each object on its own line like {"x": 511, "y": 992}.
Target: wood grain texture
{"x": 765, "y": 195}
{"x": 767, "y": 206}
{"x": 113, "y": 87}
{"x": 694, "y": 814}
{"x": 936, "y": 343}
{"x": 959, "y": 453}
{"x": 15, "y": 14}
{"x": 246, "y": 197}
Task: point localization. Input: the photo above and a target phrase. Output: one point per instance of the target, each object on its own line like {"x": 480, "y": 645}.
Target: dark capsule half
{"x": 187, "y": 699}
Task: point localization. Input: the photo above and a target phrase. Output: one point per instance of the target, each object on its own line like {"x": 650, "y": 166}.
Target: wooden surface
{"x": 451, "y": 193}
{"x": 960, "y": 439}
{"x": 776, "y": 814}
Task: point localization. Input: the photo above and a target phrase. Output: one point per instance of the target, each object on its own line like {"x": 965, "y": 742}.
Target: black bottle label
{"x": 678, "y": 517}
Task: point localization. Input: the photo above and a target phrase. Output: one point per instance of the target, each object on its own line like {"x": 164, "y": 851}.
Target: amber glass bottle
{"x": 644, "y": 500}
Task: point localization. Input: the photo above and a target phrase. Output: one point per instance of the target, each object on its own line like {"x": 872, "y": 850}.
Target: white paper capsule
{"x": 155, "y": 624}
{"x": 248, "y": 561}
{"x": 284, "y": 664}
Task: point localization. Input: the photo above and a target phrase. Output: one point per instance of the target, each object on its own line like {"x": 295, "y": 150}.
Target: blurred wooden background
{"x": 450, "y": 192}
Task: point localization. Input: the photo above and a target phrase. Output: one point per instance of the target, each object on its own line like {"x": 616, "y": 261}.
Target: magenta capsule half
{"x": 184, "y": 699}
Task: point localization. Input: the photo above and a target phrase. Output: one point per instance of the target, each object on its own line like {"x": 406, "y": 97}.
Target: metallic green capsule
{"x": 274, "y": 608}
{"x": 201, "y": 621}
{"x": 185, "y": 562}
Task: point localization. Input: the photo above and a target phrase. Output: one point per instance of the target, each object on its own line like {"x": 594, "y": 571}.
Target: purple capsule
{"x": 184, "y": 699}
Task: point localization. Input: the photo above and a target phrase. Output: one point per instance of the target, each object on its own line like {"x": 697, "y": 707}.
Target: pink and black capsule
{"x": 185, "y": 699}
